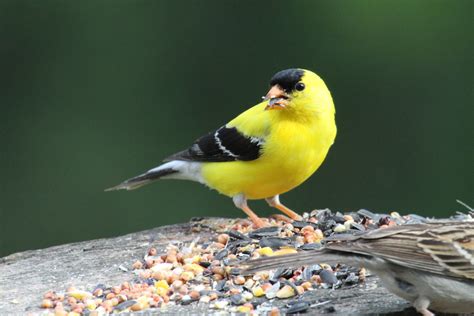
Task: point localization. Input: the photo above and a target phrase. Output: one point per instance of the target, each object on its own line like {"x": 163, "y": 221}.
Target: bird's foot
{"x": 421, "y": 305}
{"x": 281, "y": 217}
{"x": 275, "y": 202}
{"x": 241, "y": 202}
{"x": 259, "y": 223}
{"x": 425, "y": 312}
{"x": 293, "y": 215}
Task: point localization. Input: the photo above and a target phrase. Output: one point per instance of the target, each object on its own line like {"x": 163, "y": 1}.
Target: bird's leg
{"x": 421, "y": 305}
{"x": 241, "y": 202}
{"x": 275, "y": 202}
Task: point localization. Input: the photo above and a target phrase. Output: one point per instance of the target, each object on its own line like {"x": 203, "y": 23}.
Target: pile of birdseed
{"x": 208, "y": 272}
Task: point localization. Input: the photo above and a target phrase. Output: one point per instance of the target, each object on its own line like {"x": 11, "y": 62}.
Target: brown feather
{"x": 443, "y": 248}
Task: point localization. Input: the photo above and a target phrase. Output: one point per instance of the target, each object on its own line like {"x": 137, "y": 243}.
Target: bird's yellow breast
{"x": 292, "y": 152}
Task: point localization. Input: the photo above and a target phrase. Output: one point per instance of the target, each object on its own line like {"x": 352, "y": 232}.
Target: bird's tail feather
{"x": 143, "y": 179}
{"x": 298, "y": 260}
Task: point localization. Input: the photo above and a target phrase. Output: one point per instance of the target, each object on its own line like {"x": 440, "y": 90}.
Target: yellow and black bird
{"x": 267, "y": 150}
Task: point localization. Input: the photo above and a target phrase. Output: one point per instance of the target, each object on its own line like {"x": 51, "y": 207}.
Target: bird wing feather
{"x": 223, "y": 144}
{"x": 443, "y": 248}
{"x": 439, "y": 248}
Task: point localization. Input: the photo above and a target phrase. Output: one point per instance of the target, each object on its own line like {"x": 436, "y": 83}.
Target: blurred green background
{"x": 94, "y": 92}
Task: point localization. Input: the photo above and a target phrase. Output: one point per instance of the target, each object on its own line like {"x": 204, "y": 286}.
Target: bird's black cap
{"x": 287, "y": 79}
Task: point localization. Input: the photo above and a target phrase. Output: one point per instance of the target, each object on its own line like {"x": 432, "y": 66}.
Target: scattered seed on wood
{"x": 209, "y": 271}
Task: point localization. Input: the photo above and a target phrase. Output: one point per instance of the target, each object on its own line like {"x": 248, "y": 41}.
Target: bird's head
{"x": 298, "y": 90}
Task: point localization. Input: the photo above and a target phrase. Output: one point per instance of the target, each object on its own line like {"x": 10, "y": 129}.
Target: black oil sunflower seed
{"x": 275, "y": 242}
{"x": 222, "y": 254}
{"x": 311, "y": 246}
{"x": 265, "y": 232}
{"x": 328, "y": 277}
{"x": 297, "y": 307}
{"x": 124, "y": 305}
{"x": 237, "y": 235}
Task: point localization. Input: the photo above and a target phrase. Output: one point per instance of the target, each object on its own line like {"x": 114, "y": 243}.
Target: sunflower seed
{"x": 221, "y": 254}
{"x": 297, "y": 307}
{"x": 311, "y": 246}
{"x": 275, "y": 242}
{"x": 265, "y": 232}
{"x": 328, "y": 277}
{"x": 237, "y": 235}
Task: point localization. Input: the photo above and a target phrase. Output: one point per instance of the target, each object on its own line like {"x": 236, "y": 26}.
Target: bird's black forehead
{"x": 287, "y": 78}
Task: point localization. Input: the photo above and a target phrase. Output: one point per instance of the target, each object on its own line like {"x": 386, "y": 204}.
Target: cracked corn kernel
{"x": 163, "y": 284}
{"x": 187, "y": 276}
{"x": 161, "y": 291}
{"x": 340, "y": 228}
{"x": 244, "y": 309}
{"x": 284, "y": 251}
{"x": 285, "y": 292}
{"x": 258, "y": 291}
{"x": 80, "y": 295}
{"x": 265, "y": 251}
{"x": 193, "y": 267}
{"x": 91, "y": 305}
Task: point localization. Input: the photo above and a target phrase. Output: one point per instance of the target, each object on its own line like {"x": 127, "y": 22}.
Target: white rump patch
{"x": 187, "y": 170}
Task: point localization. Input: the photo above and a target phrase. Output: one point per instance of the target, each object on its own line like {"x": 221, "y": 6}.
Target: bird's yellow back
{"x": 296, "y": 141}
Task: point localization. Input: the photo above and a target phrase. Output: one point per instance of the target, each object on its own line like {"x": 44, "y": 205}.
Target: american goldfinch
{"x": 267, "y": 150}
{"x": 431, "y": 265}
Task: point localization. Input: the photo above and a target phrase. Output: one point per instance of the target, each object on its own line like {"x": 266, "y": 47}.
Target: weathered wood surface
{"x": 26, "y": 276}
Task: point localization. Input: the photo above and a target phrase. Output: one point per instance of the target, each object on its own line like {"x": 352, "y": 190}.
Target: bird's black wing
{"x": 224, "y": 144}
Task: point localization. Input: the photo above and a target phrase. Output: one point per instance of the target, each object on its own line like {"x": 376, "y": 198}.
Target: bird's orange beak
{"x": 278, "y": 98}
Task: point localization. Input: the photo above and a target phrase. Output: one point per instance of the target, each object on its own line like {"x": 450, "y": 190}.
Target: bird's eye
{"x": 299, "y": 86}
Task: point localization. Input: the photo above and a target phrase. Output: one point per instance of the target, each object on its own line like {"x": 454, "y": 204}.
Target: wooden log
{"x": 26, "y": 276}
